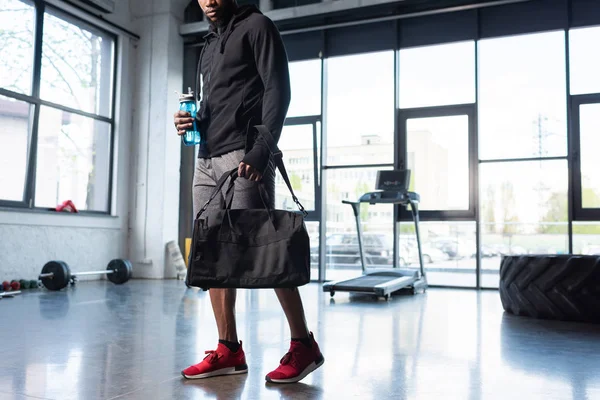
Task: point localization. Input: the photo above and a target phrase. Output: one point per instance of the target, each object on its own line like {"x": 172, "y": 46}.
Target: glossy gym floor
{"x": 101, "y": 341}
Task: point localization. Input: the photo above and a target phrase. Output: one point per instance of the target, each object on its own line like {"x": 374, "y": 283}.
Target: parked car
{"x": 342, "y": 248}
{"x": 455, "y": 248}
{"x": 409, "y": 254}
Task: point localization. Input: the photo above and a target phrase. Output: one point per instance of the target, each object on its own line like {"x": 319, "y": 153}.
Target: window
{"x": 589, "y": 128}
{"x": 438, "y": 157}
{"x": 437, "y": 75}
{"x": 17, "y": 19}
{"x": 342, "y": 254}
{"x": 360, "y": 109}
{"x": 66, "y": 132}
{"x": 586, "y": 185}
{"x": 77, "y": 79}
{"x": 71, "y": 163}
{"x": 313, "y": 233}
{"x": 297, "y": 145}
{"x": 522, "y": 99}
{"x": 305, "y": 80}
{"x": 586, "y": 238}
{"x": 15, "y": 117}
{"x": 524, "y": 210}
{"x": 448, "y": 249}
{"x": 584, "y": 60}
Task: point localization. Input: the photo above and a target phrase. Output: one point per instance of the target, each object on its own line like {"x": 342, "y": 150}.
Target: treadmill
{"x": 392, "y": 188}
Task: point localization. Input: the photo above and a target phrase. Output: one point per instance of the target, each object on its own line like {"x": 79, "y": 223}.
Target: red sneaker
{"x": 221, "y": 361}
{"x": 297, "y": 363}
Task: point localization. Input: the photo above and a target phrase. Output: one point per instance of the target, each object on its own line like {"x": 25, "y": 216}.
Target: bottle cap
{"x": 189, "y": 96}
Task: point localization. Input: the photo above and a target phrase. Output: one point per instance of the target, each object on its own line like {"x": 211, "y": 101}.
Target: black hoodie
{"x": 246, "y": 82}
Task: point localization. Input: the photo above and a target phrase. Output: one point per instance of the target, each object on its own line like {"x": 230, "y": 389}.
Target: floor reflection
{"x": 224, "y": 388}
{"x": 101, "y": 341}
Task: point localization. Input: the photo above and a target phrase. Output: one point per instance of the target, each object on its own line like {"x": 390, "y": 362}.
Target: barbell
{"x": 9, "y": 294}
{"x": 56, "y": 275}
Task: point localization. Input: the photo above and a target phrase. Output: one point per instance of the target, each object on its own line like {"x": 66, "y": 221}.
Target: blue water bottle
{"x": 187, "y": 103}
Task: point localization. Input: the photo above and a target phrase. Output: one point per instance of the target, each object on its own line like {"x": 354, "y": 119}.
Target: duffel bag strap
{"x": 278, "y": 159}
{"x": 217, "y": 190}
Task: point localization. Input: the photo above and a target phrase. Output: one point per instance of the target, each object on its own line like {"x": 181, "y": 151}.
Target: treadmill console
{"x": 391, "y": 197}
{"x": 397, "y": 180}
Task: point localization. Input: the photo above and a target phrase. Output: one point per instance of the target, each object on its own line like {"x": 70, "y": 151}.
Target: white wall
{"x": 150, "y": 71}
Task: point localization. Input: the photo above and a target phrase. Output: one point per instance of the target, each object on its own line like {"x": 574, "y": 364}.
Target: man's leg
{"x": 229, "y": 357}
{"x": 304, "y": 355}
{"x": 223, "y": 305}
{"x": 247, "y": 196}
{"x": 222, "y": 300}
{"x": 291, "y": 302}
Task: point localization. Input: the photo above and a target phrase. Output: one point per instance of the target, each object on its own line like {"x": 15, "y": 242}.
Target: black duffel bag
{"x": 250, "y": 248}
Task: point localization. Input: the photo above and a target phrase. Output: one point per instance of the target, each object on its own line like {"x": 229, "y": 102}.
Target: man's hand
{"x": 249, "y": 172}
{"x": 183, "y": 121}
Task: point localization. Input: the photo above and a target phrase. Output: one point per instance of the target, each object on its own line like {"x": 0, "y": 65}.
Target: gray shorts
{"x": 245, "y": 193}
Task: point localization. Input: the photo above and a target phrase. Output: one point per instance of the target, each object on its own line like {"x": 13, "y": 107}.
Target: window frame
{"x": 36, "y": 103}
{"x": 580, "y": 213}
{"x": 470, "y": 110}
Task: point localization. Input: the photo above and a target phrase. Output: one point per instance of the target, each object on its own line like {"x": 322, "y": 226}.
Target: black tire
{"x": 558, "y": 287}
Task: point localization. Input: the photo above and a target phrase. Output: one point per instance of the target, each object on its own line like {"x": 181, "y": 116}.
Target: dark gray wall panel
{"x": 519, "y": 18}
{"x": 303, "y": 46}
{"x": 585, "y": 12}
{"x": 361, "y": 38}
{"x": 441, "y": 28}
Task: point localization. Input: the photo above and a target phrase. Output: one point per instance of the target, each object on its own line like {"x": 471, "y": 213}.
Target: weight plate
{"x": 129, "y": 269}
{"x": 61, "y": 277}
{"x": 122, "y": 270}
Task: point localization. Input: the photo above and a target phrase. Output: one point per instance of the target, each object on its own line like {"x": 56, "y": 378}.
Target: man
{"x": 245, "y": 78}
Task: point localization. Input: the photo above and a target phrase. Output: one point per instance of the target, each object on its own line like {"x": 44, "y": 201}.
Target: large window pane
{"x": 437, "y": 75}
{"x": 448, "y": 250}
{"x": 524, "y": 210}
{"x": 584, "y": 60}
{"x": 16, "y": 45}
{"x": 305, "y": 79}
{"x": 360, "y": 109}
{"x": 76, "y": 66}
{"x": 522, "y": 103}
{"x": 14, "y": 140}
{"x": 438, "y": 157}
{"x": 342, "y": 254}
{"x": 586, "y": 238}
{"x": 73, "y": 161}
{"x": 313, "y": 233}
{"x": 589, "y": 131}
{"x": 296, "y": 144}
